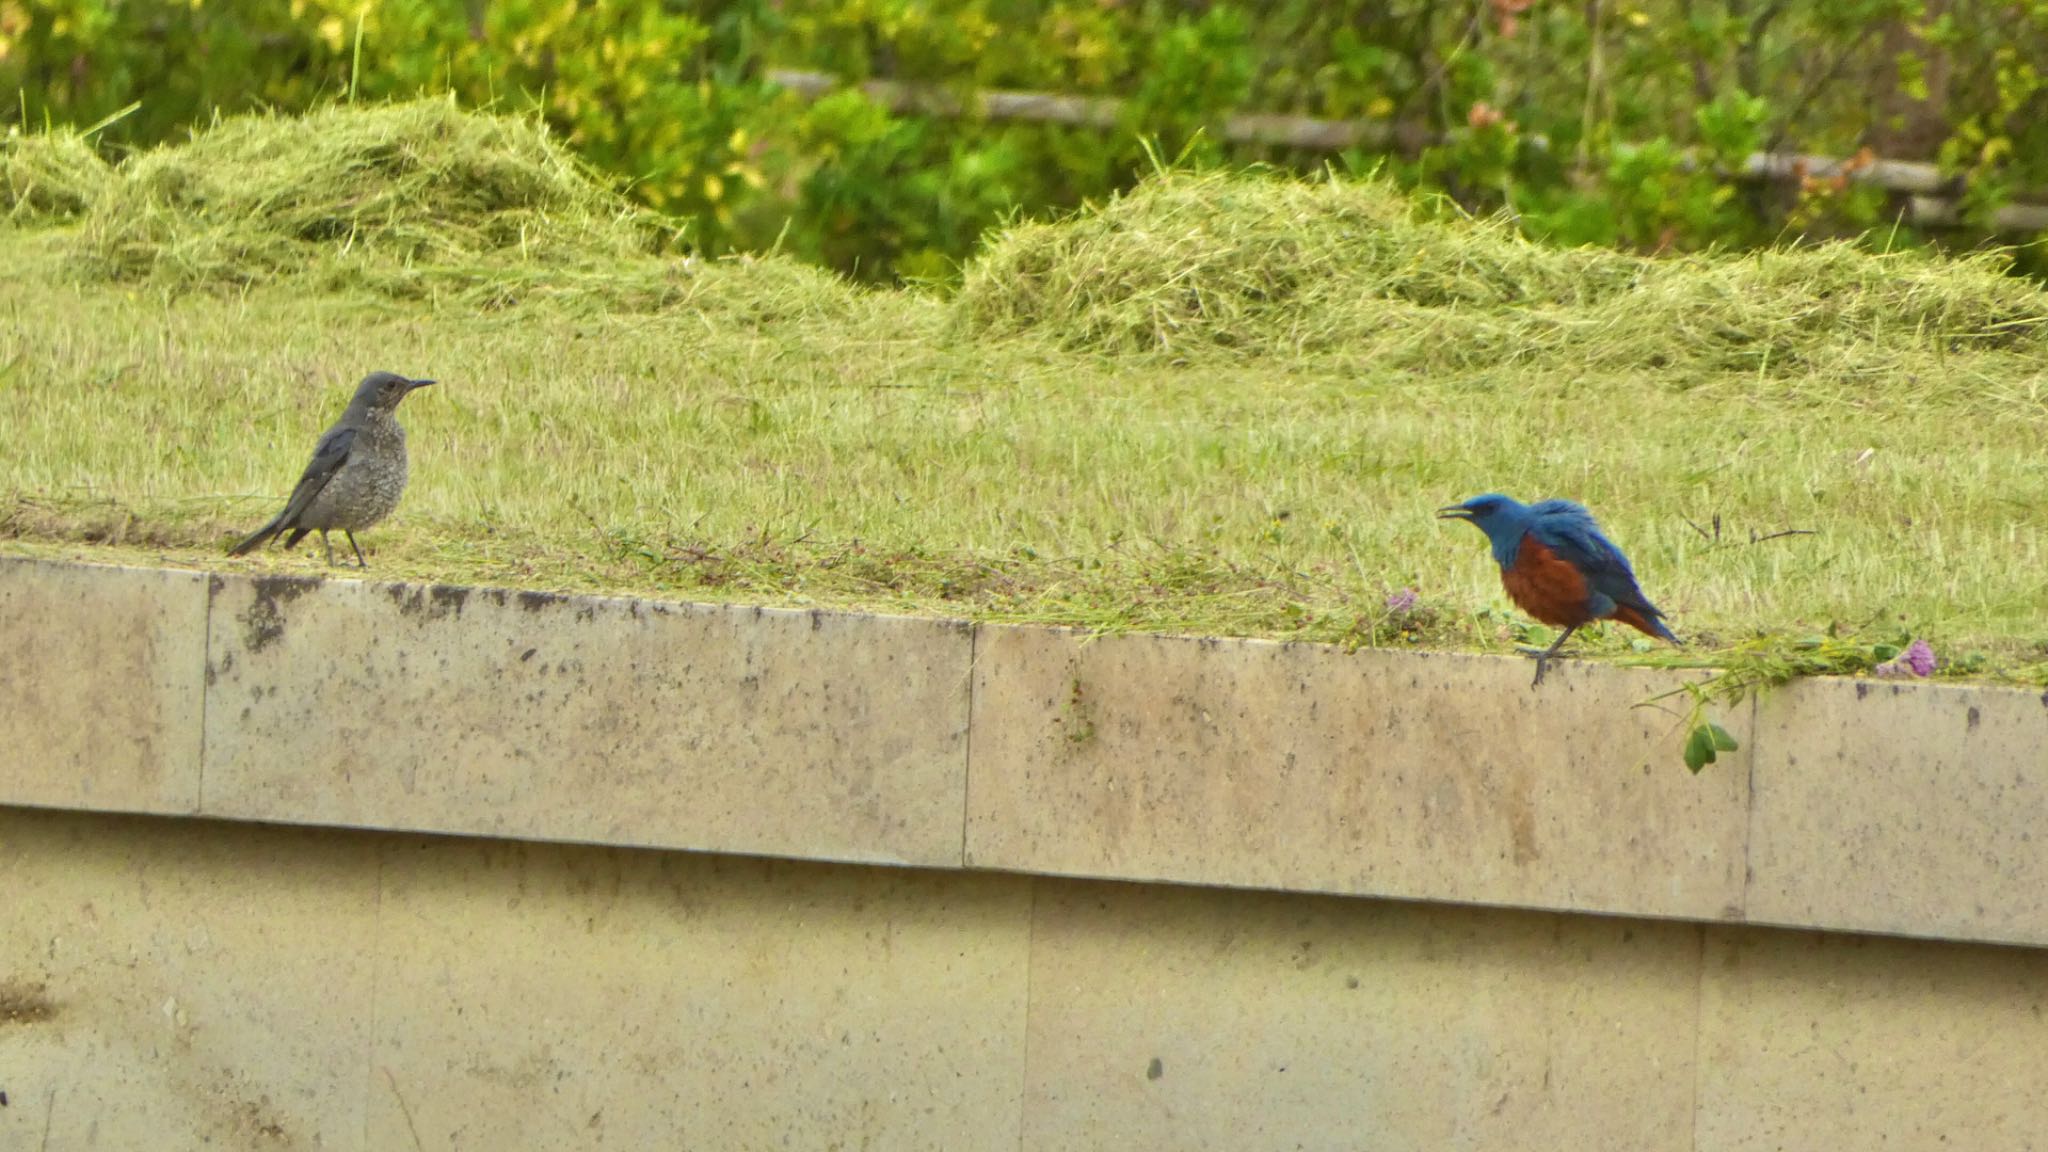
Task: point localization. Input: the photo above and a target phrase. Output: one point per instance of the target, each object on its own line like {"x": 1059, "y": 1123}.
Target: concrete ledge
{"x": 1303, "y": 767}
{"x": 100, "y": 687}
{"x": 610, "y": 721}
{"x": 1871, "y": 807}
{"x": 1913, "y": 808}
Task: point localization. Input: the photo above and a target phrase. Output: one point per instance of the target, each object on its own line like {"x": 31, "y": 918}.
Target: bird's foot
{"x": 1543, "y": 657}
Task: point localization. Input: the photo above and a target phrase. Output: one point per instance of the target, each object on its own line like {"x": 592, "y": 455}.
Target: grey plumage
{"x": 357, "y": 474}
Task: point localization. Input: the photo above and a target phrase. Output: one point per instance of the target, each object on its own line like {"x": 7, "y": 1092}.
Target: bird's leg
{"x": 1543, "y": 660}
{"x": 329, "y": 545}
{"x": 360, "y": 562}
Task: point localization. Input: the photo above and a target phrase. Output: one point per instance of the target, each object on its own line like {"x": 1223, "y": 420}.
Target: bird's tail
{"x": 260, "y": 537}
{"x": 1649, "y": 622}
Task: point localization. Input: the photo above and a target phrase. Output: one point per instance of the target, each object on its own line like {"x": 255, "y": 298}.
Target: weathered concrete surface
{"x": 1916, "y": 809}
{"x": 100, "y": 686}
{"x": 1817, "y": 1041}
{"x": 1909, "y": 809}
{"x": 187, "y": 984}
{"x": 614, "y": 721}
{"x": 181, "y": 984}
{"x": 1241, "y": 1022}
{"x": 1307, "y": 768}
{"x": 543, "y": 997}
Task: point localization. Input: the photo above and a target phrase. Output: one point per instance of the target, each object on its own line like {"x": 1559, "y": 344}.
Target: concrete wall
{"x": 1029, "y": 982}
{"x": 175, "y": 984}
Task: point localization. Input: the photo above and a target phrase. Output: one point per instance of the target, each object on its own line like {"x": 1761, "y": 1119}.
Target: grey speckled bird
{"x": 357, "y": 474}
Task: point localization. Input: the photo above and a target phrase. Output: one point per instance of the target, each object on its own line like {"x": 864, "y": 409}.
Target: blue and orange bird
{"x": 1559, "y": 567}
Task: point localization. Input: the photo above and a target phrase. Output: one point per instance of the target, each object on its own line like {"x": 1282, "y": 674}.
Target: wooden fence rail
{"x": 1931, "y": 196}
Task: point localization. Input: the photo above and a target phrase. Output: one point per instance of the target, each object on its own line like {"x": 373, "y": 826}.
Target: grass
{"x": 1282, "y": 269}
{"x": 49, "y": 175}
{"x": 1222, "y": 405}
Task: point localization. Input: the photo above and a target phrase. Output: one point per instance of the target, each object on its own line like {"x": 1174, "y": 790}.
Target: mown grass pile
{"x": 1277, "y": 267}
{"x": 405, "y": 199}
{"x": 46, "y": 176}
{"x": 1225, "y": 405}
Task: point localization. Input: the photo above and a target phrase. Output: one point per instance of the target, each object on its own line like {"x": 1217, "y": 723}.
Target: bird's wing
{"x": 1569, "y": 531}
{"x": 1576, "y": 539}
{"x": 328, "y": 457}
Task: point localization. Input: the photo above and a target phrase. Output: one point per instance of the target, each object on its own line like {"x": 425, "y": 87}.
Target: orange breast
{"x": 1545, "y": 586}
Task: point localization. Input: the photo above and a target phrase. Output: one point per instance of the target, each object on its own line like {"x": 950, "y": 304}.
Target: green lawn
{"x": 1218, "y": 406}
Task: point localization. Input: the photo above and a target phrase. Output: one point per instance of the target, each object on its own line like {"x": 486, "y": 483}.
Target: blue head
{"x": 1503, "y": 519}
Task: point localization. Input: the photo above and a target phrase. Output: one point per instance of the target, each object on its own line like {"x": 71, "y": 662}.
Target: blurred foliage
{"x": 1611, "y": 122}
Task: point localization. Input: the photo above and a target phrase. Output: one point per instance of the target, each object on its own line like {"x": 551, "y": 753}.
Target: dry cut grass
{"x": 1218, "y": 404}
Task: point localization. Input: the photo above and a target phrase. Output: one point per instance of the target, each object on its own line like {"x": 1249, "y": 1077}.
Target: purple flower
{"x": 1403, "y": 602}
{"x": 1917, "y": 659}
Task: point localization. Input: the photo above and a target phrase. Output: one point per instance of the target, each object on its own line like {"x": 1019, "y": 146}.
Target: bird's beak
{"x": 416, "y": 384}
{"x": 1454, "y": 512}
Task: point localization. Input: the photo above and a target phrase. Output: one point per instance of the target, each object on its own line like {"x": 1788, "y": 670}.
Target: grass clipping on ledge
{"x": 1265, "y": 265}
{"x": 405, "y": 199}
